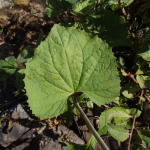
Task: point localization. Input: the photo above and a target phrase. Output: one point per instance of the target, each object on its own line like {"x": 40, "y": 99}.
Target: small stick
{"x": 132, "y": 76}
{"x": 23, "y": 67}
{"x": 134, "y": 118}
{"x": 5, "y": 42}
{"x": 126, "y": 18}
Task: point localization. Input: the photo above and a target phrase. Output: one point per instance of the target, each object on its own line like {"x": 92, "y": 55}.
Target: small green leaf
{"x": 115, "y": 33}
{"x": 144, "y": 135}
{"x": 129, "y": 90}
{"x": 123, "y": 72}
{"x": 120, "y": 61}
{"x": 55, "y": 7}
{"x": 89, "y": 104}
{"x": 11, "y": 61}
{"x": 114, "y": 115}
{"x": 81, "y": 97}
{"x": 118, "y": 132}
{"x": 73, "y": 1}
{"x": 138, "y": 146}
{"x": 70, "y": 61}
{"x": 7, "y": 68}
{"x": 132, "y": 111}
{"x": 25, "y": 55}
{"x": 108, "y": 120}
{"x": 143, "y": 66}
{"x": 10, "y": 126}
{"x": 89, "y": 146}
{"x": 83, "y": 7}
{"x": 145, "y": 53}
{"x": 140, "y": 80}
{"x": 113, "y": 4}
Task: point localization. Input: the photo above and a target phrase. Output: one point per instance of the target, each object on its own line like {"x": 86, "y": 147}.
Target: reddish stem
{"x": 126, "y": 18}
{"x": 132, "y": 76}
{"x": 11, "y": 120}
{"x": 5, "y": 42}
{"x": 134, "y": 118}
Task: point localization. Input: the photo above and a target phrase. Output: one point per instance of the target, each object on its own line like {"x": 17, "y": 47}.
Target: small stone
{"x": 22, "y": 2}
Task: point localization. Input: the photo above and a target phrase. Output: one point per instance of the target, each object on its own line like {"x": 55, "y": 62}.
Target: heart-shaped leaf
{"x": 70, "y": 61}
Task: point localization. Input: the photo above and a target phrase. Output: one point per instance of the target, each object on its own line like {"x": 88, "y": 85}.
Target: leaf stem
{"x": 89, "y": 125}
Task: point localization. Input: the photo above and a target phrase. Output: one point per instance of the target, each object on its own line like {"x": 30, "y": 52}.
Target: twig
{"x": 134, "y": 118}
{"x": 126, "y": 19}
{"x": 23, "y": 67}
{"x": 89, "y": 125}
{"x": 132, "y": 76}
{"x": 5, "y": 42}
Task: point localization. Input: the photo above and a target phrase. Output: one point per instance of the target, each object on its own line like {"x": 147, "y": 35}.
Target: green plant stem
{"x": 89, "y": 125}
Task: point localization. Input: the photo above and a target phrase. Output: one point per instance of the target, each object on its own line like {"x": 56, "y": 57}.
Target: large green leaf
{"x": 110, "y": 27}
{"x": 55, "y": 7}
{"x": 69, "y": 61}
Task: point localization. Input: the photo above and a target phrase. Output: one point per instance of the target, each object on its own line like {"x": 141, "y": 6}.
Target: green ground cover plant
{"x": 100, "y": 55}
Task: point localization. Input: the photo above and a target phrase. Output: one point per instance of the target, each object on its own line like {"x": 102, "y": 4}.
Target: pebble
{"x": 5, "y": 3}
{"x": 22, "y": 2}
{"x": 9, "y": 3}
